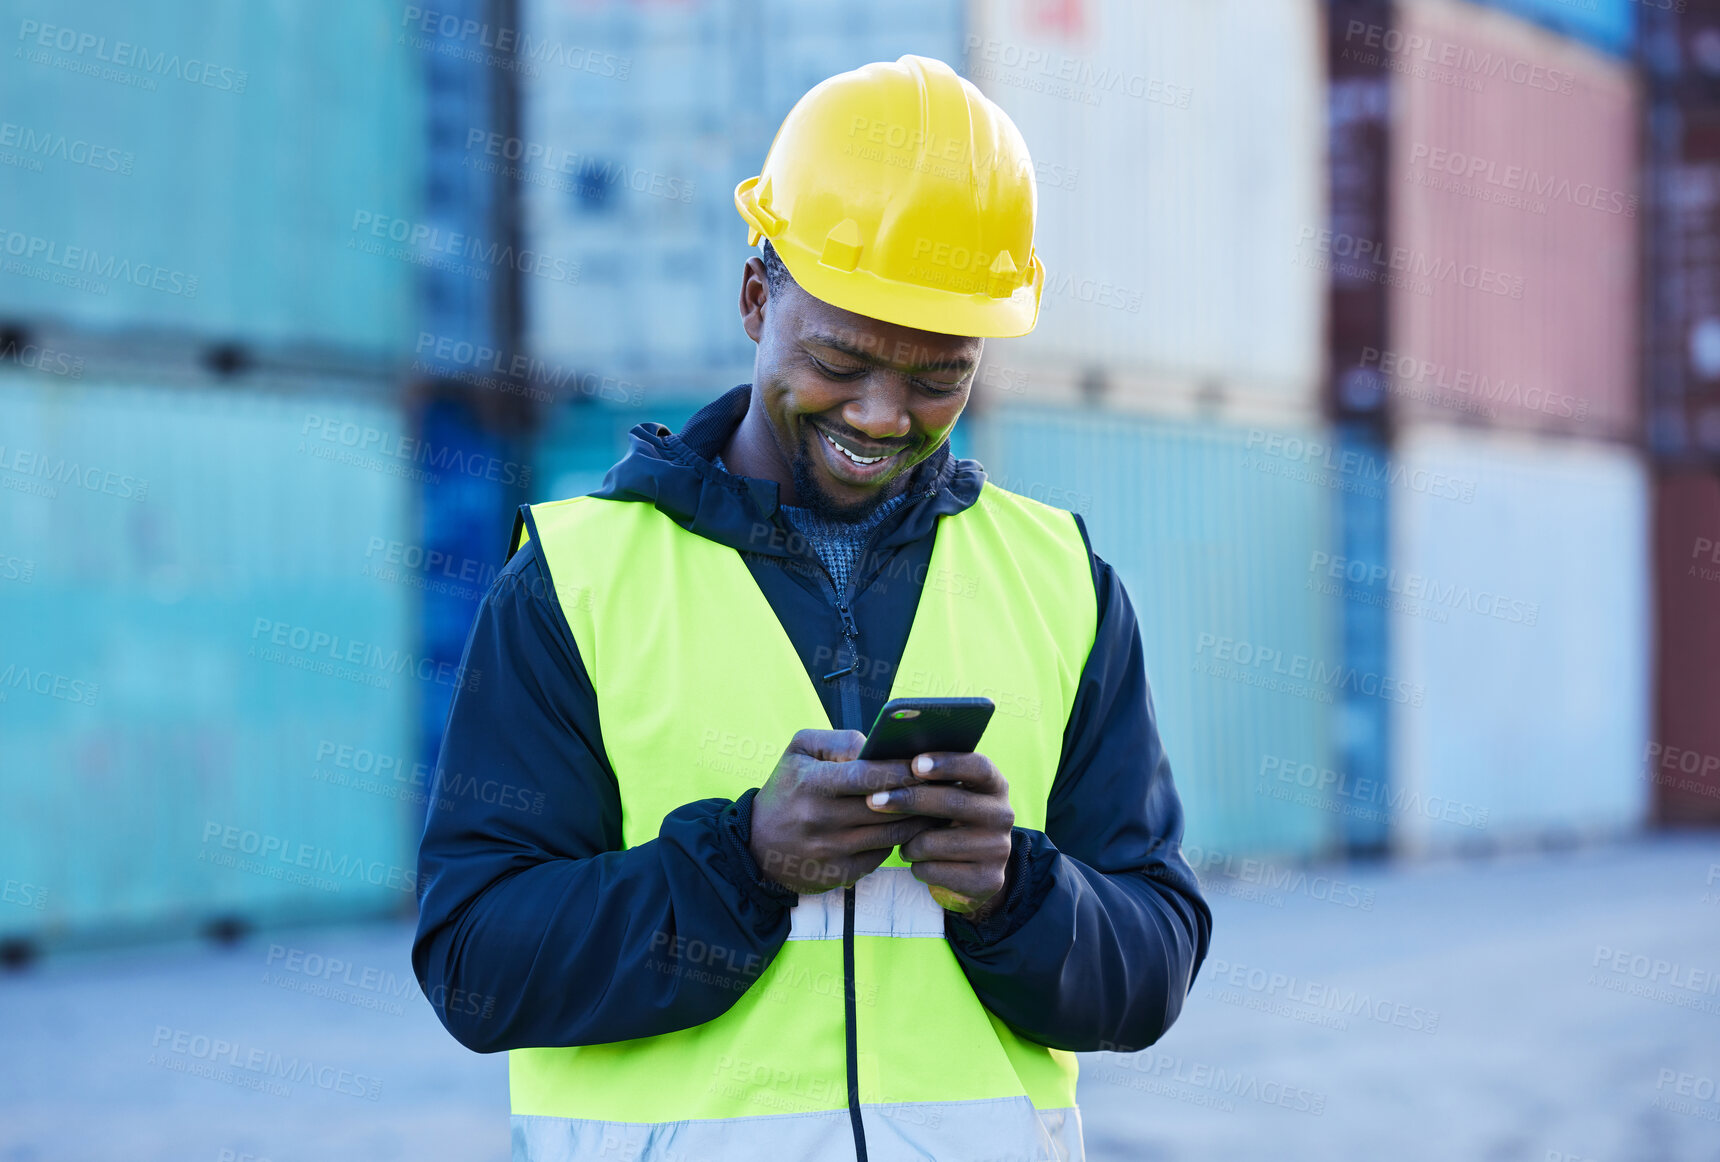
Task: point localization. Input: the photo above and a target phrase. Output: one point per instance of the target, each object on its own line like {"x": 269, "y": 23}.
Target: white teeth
{"x": 847, "y": 453}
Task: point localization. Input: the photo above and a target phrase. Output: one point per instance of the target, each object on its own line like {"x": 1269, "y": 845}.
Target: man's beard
{"x": 810, "y": 490}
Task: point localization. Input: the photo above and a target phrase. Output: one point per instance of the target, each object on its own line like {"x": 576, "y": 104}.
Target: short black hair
{"x": 776, "y": 275}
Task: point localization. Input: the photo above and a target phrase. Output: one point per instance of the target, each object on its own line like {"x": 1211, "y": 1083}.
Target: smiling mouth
{"x": 852, "y": 455}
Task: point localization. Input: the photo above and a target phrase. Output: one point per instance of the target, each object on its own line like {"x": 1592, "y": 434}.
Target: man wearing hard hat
{"x": 703, "y": 927}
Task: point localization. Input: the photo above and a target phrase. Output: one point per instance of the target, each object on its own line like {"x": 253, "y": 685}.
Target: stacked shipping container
{"x": 1503, "y": 372}
{"x": 1184, "y": 224}
{"x": 1358, "y": 117}
{"x": 211, "y": 659}
{"x": 1681, "y": 761}
{"x": 465, "y": 338}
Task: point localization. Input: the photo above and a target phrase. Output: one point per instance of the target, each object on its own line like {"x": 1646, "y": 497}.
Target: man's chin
{"x": 810, "y": 487}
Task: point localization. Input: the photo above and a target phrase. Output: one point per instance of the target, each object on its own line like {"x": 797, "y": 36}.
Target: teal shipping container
{"x": 250, "y": 172}
{"x": 206, "y": 660}
{"x": 580, "y": 443}
{"x": 1213, "y": 530}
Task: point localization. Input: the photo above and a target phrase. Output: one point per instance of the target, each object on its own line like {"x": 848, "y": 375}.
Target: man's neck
{"x": 752, "y": 452}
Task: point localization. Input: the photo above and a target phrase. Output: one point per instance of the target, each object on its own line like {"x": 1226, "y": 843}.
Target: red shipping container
{"x": 1683, "y": 758}
{"x": 1515, "y": 219}
{"x": 1683, "y": 339}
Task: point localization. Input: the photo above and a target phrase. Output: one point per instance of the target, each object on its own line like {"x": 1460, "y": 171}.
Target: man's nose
{"x": 879, "y": 414}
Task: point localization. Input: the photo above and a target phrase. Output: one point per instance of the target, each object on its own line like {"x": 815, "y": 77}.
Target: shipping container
{"x": 1215, "y": 532}
{"x": 1677, "y": 46}
{"x": 1180, "y": 150}
{"x": 247, "y": 173}
{"x": 1682, "y": 759}
{"x": 1683, "y": 300}
{"x": 468, "y": 391}
{"x": 464, "y": 99}
{"x": 1514, "y": 249}
{"x": 1358, "y": 132}
{"x": 1608, "y": 25}
{"x": 463, "y": 523}
{"x": 631, "y": 162}
{"x": 1520, "y": 639}
{"x": 1353, "y": 573}
{"x": 207, "y": 673}
{"x": 579, "y": 444}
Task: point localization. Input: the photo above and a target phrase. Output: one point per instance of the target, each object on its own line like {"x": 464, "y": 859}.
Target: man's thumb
{"x": 831, "y": 746}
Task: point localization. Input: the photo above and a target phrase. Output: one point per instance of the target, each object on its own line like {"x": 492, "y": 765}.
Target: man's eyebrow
{"x": 877, "y": 360}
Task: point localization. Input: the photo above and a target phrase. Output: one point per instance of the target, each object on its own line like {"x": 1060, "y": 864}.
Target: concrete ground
{"x": 1553, "y": 1008}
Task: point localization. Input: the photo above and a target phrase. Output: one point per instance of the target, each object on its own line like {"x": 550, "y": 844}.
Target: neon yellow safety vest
{"x": 699, "y": 690}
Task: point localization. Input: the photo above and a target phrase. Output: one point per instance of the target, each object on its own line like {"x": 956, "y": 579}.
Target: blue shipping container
{"x": 1609, "y": 25}
{"x": 458, "y": 303}
{"x": 1355, "y": 573}
{"x": 464, "y": 519}
{"x": 207, "y": 674}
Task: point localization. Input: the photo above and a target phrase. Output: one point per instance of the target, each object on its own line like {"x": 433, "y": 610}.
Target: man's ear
{"x": 755, "y": 293}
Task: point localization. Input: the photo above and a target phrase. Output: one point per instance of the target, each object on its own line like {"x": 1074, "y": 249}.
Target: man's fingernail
{"x": 923, "y": 765}
{"x": 879, "y": 799}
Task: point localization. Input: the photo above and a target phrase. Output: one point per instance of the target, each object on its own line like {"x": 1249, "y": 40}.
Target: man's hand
{"x": 966, "y": 861}
{"x": 811, "y": 827}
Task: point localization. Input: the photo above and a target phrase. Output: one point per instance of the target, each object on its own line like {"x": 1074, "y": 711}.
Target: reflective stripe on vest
{"x": 699, "y": 691}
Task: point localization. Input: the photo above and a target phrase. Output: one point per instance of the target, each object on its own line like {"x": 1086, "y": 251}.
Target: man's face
{"x": 854, "y": 403}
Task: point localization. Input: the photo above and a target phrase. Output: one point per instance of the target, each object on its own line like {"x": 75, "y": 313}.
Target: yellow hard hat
{"x": 901, "y": 192}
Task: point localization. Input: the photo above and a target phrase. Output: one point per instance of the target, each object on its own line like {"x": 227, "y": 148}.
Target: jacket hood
{"x": 674, "y": 471}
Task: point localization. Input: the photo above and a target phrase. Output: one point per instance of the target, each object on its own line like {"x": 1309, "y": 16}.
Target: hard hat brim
{"x": 945, "y": 312}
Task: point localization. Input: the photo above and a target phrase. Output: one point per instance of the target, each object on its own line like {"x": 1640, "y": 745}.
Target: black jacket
{"x": 535, "y": 927}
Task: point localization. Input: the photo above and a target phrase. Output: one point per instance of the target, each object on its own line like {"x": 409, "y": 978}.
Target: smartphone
{"x": 913, "y": 726}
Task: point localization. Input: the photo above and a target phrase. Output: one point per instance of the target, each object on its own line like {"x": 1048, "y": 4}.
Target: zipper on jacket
{"x": 851, "y": 710}
{"x": 849, "y": 676}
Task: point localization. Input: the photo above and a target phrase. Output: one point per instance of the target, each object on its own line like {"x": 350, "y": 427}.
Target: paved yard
{"x": 1550, "y": 1008}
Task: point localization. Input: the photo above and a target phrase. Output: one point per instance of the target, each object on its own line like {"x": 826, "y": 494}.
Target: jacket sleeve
{"x": 1104, "y": 927}
{"x": 534, "y": 927}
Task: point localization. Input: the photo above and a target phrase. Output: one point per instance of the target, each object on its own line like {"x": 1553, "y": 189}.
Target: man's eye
{"x": 838, "y": 373}
{"x": 940, "y": 388}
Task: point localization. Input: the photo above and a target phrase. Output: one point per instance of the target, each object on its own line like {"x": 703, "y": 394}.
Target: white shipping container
{"x": 1180, "y": 148}
{"x": 682, "y": 112}
{"x": 1520, "y": 623}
